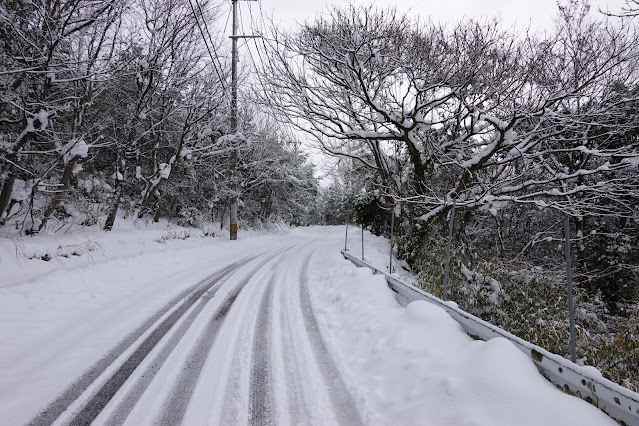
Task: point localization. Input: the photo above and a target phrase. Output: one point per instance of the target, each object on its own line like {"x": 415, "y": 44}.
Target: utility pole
{"x": 233, "y": 225}
{"x": 234, "y": 60}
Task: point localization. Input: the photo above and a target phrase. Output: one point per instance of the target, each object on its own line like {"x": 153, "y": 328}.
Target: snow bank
{"x": 416, "y": 366}
{"x": 21, "y": 258}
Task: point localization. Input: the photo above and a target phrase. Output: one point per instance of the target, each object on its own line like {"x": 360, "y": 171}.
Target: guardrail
{"x": 618, "y": 402}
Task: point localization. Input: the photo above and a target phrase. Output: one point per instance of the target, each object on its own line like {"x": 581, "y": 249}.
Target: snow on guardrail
{"x": 585, "y": 382}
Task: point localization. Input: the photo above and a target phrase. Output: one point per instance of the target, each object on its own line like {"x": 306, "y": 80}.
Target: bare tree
{"x": 39, "y": 37}
{"x": 94, "y": 48}
{"x": 167, "y": 87}
{"x": 629, "y": 10}
{"x": 476, "y": 109}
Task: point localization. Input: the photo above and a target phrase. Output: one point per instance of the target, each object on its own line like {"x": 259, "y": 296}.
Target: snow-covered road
{"x": 272, "y": 329}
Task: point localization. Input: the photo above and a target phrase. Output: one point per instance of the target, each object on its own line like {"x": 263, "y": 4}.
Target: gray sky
{"x": 538, "y": 13}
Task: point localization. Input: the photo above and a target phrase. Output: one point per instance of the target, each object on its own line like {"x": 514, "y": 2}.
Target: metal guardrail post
{"x": 571, "y": 314}
{"x": 362, "y": 241}
{"x": 450, "y": 241}
{"x": 390, "y": 257}
{"x": 346, "y": 238}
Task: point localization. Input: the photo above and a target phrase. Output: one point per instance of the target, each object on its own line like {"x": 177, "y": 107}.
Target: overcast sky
{"x": 538, "y": 13}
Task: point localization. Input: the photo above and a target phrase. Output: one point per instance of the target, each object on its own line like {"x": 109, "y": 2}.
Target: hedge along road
{"x": 278, "y": 330}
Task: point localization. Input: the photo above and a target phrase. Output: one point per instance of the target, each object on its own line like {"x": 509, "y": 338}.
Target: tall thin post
{"x": 450, "y": 242}
{"x": 571, "y": 314}
{"x": 346, "y": 238}
{"x": 390, "y": 256}
{"x": 362, "y": 241}
{"x": 233, "y": 224}
{"x": 234, "y": 120}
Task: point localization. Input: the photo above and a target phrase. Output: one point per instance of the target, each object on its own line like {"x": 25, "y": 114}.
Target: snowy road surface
{"x": 275, "y": 329}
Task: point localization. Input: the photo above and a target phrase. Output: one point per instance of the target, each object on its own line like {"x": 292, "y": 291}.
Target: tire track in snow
{"x": 293, "y": 380}
{"x": 241, "y": 401}
{"x": 341, "y": 399}
{"x": 77, "y": 388}
{"x": 260, "y": 397}
{"x": 128, "y": 402}
{"x": 178, "y": 400}
{"x": 100, "y": 399}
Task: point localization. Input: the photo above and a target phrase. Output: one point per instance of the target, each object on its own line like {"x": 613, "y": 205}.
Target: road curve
{"x": 240, "y": 347}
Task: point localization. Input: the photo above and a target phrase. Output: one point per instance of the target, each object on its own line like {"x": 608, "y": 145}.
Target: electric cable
{"x": 213, "y": 58}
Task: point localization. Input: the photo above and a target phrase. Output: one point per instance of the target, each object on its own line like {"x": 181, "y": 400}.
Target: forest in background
{"x": 122, "y": 108}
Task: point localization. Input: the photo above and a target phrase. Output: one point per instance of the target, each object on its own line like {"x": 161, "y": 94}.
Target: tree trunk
{"x": 63, "y": 186}
{"x": 5, "y": 196}
{"x": 117, "y": 193}
{"x": 153, "y": 189}
{"x": 147, "y": 197}
{"x": 7, "y": 187}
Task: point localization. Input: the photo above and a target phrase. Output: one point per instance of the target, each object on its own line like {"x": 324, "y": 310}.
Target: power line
{"x": 263, "y": 41}
{"x": 254, "y": 40}
{"x": 206, "y": 27}
{"x": 241, "y": 27}
{"x": 260, "y": 31}
{"x": 241, "y": 23}
{"x": 227, "y": 21}
{"x": 213, "y": 57}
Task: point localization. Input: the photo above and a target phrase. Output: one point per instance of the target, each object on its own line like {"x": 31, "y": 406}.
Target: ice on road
{"x": 270, "y": 329}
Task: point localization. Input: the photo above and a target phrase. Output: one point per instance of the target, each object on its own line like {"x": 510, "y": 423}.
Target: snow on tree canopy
{"x": 88, "y": 185}
{"x": 633, "y": 161}
{"x": 498, "y": 122}
{"x": 231, "y": 138}
{"x": 186, "y": 153}
{"x": 21, "y": 190}
{"x": 75, "y": 148}
{"x": 165, "y": 170}
{"x": 43, "y": 118}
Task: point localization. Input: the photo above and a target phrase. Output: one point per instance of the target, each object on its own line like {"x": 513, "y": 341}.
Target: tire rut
{"x": 260, "y": 397}
{"x": 341, "y": 399}
{"x": 128, "y": 402}
{"x": 76, "y": 389}
{"x": 180, "y": 396}
{"x": 296, "y": 407}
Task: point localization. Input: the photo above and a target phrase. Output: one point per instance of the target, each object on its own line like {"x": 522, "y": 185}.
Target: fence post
{"x": 450, "y": 241}
{"x": 362, "y": 241}
{"x": 346, "y": 238}
{"x": 571, "y": 314}
{"x": 390, "y": 257}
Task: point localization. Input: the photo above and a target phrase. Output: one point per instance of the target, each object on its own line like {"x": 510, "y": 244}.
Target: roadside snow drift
{"x": 303, "y": 319}
{"x": 416, "y": 366}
